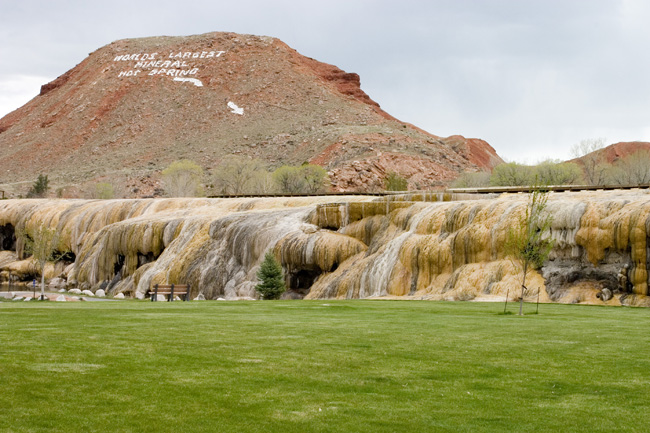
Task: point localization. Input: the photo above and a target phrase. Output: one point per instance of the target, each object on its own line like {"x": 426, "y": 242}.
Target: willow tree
{"x": 529, "y": 242}
{"x": 183, "y": 179}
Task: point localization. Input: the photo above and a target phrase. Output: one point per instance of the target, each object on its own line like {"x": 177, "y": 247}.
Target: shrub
{"x": 472, "y": 180}
{"x": 240, "y": 175}
{"x": 512, "y": 174}
{"x": 306, "y": 179}
{"x": 395, "y": 182}
{"x": 104, "y": 191}
{"x": 183, "y": 179}
{"x": 40, "y": 187}
{"x": 289, "y": 180}
{"x": 558, "y": 173}
{"x": 271, "y": 278}
{"x": 315, "y": 178}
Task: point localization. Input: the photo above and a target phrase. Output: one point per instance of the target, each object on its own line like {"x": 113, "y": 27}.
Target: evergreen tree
{"x": 271, "y": 278}
{"x": 40, "y": 187}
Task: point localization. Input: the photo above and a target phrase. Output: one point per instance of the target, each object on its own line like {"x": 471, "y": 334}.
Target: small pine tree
{"x": 40, "y": 187}
{"x": 271, "y": 278}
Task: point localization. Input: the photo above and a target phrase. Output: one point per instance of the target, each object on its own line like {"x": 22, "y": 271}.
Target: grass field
{"x": 322, "y": 366}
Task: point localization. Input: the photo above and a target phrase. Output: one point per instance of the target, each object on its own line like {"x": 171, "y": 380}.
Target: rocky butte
{"x": 136, "y": 105}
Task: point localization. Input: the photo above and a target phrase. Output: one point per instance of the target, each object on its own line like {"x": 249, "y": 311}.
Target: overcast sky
{"x": 530, "y": 77}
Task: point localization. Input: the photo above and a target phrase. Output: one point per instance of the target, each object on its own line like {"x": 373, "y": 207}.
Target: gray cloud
{"x": 531, "y": 77}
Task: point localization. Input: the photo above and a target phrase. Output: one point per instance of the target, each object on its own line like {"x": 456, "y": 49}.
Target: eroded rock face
{"x": 398, "y": 246}
{"x": 123, "y": 114}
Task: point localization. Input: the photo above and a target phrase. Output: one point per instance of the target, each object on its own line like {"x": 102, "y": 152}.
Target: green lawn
{"x": 322, "y": 366}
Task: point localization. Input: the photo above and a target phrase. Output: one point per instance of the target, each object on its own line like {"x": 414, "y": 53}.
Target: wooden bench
{"x": 170, "y": 290}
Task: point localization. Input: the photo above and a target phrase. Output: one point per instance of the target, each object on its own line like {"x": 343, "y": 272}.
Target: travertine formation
{"x": 425, "y": 246}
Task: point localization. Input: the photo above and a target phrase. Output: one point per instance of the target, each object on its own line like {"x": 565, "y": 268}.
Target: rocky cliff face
{"x": 425, "y": 246}
{"x": 134, "y": 106}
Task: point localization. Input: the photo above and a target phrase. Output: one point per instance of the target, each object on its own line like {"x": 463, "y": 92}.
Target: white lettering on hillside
{"x": 177, "y": 65}
{"x": 194, "y": 81}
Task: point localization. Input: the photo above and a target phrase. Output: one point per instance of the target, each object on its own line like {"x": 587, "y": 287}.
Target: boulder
{"x": 87, "y": 292}
{"x": 61, "y": 298}
{"x": 100, "y": 293}
{"x": 200, "y": 297}
{"x": 29, "y": 298}
{"x": 62, "y": 290}
{"x": 57, "y": 283}
{"x": 605, "y": 295}
{"x": 18, "y": 298}
{"x": 119, "y": 296}
{"x": 75, "y": 291}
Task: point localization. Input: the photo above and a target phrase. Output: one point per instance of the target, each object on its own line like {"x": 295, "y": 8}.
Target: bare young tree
{"x": 528, "y": 242}
{"x": 240, "y": 175}
{"x": 41, "y": 242}
{"x": 633, "y": 169}
{"x": 594, "y": 165}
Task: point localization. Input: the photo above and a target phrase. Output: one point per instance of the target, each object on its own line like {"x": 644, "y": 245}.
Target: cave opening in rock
{"x": 301, "y": 281}
{"x": 119, "y": 264}
{"x": 149, "y": 257}
{"x": 7, "y": 238}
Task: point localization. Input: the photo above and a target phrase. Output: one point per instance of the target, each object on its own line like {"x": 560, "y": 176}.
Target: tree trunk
{"x": 42, "y": 282}
{"x": 523, "y": 285}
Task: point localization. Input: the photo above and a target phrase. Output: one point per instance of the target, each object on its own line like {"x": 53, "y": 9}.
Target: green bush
{"x": 183, "y": 179}
{"x": 104, "y": 191}
{"x": 472, "y": 180}
{"x": 306, "y": 179}
{"x": 395, "y": 182}
{"x": 40, "y": 187}
{"x": 271, "y": 278}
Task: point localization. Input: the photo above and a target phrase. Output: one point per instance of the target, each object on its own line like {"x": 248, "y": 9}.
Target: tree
{"x": 395, "y": 182}
{"x": 306, "y": 179}
{"x": 528, "y": 242}
{"x": 238, "y": 175}
{"x": 592, "y": 159}
{"x": 289, "y": 179}
{"x": 632, "y": 169}
{"x": 271, "y": 278}
{"x": 40, "y": 187}
{"x": 183, "y": 179}
{"x": 42, "y": 244}
{"x": 511, "y": 174}
{"x": 472, "y": 180}
{"x": 315, "y": 178}
{"x": 557, "y": 173}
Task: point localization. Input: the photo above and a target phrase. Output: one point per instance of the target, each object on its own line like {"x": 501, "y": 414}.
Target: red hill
{"x": 136, "y": 105}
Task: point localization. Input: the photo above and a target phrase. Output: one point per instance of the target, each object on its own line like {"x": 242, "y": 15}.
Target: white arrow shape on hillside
{"x": 194, "y": 81}
{"x": 235, "y": 109}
